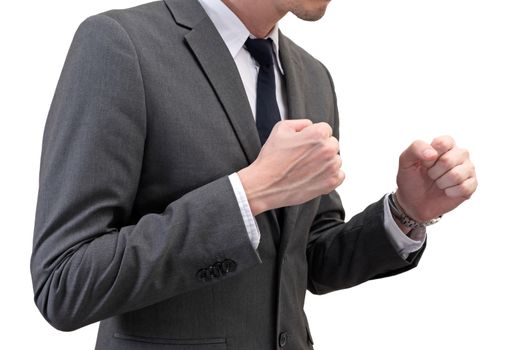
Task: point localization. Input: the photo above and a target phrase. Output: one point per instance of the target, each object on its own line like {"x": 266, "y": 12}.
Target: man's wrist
{"x": 247, "y": 216}
{"x": 404, "y": 242}
{"x": 403, "y": 219}
{"x": 254, "y": 191}
{"x": 406, "y": 230}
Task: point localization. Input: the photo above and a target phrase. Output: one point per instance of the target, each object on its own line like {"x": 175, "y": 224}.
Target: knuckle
{"x": 331, "y": 183}
{"x": 464, "y": 190}
{"x": 280, "y": 125}
{"x": 334, "y": 168}
{"x": 334, "y": 145}
{"x": 342, "y": 176}
{"x": 472, "y": 170}
{"x": 325, "y": 125}
{"x": 438, "y": 141}
{"x": 413, "y": 149}
{"x": 401, "y": 157}
{"x": 434, "y": 173}
{"x": 464, "y": 154}
{"x": 447, "y": 161}
{"x": 416, "y": 144}
{"x": 335, "y": 142}
{"x": 328, "y": 150}
{"x": 339, "y": 162}
{"x": 325, "y": 129}
{"x": 443, "y": 142}
{"x": 456, "y": 176}
{"x": 441, "y": 183}
{"x": 307, "y": 121}
{"x": 317, "y": 133}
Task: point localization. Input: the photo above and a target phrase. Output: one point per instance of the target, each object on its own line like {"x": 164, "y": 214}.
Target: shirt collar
{"x": 233, "y": 31}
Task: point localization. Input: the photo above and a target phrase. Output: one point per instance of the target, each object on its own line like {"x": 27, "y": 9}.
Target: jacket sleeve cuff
{"x": 403, "y": 243}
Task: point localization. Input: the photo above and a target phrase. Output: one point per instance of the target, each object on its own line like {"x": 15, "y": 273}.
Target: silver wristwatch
{"x": 406, "y": 220}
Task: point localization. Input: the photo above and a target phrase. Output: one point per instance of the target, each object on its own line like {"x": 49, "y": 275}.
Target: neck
{"x": 259, "y": 16}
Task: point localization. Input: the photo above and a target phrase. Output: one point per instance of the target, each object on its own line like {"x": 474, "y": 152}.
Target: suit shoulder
{"x": 309, "y": 61}
{"x": 145, "y": 19}
{"x": 139, "y": 17}
{"x": 149, "y": 25}
{"x": 145, "y": 11}
{"x": 134, "y": 16}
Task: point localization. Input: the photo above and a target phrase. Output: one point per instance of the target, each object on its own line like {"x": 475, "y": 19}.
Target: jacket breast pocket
{"x": 132, "y": 342}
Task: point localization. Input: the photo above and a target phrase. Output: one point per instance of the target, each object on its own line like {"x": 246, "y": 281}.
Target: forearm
{"x": 341, "y": 255}
{"x": 107, "y": 271}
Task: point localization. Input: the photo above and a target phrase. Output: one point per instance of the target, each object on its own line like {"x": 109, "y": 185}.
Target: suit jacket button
{"x": 228, "y": 265}
{"x": 204, "y": 275}
{"x": 216, "y": 270}
{"x": 283, "y": 339}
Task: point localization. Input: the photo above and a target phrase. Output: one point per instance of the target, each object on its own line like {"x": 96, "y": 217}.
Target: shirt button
{"x": 283, "y": 338}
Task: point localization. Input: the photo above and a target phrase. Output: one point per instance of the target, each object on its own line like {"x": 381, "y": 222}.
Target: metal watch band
{"x": 406, "y": 220}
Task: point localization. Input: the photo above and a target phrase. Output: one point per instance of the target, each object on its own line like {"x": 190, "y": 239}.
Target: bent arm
{"x": 88, "y": 262}
{"x": 341, "y": 255}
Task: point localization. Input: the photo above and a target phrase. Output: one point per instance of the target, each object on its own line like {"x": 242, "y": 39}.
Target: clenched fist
{"x": 435, "y": 178}
{"x": 298, "y": 162}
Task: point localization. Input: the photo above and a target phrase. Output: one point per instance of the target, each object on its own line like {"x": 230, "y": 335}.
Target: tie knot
{"x": 261, "y": 50}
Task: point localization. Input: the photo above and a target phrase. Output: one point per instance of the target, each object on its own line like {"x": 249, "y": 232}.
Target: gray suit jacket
{"x": 137, "y": 224}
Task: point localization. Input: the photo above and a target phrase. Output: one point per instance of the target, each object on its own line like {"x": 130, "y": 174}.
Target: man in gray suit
{"x": 163, "y": 213}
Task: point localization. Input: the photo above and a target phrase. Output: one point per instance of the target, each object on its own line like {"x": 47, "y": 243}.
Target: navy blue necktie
{"x": 266, "y": 112}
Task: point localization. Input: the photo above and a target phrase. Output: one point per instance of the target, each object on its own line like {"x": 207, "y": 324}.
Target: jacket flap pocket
{"x": 133, "y": 342}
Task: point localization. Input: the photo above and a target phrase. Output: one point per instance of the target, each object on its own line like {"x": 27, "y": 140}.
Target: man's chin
{"x": 312, "y": 15}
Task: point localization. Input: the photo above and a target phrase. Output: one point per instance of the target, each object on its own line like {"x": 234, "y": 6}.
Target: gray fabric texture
{"x": 148, "y": 120}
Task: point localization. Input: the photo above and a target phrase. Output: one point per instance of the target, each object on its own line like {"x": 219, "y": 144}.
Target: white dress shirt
{"x": 234, "y": 33}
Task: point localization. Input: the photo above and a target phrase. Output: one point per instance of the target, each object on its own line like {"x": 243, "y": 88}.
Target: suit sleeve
{"x": 344, "y": 254}
{"x": 87, "y": 264}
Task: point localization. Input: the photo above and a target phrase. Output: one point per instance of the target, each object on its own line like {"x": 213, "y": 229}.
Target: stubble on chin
{"x": 309, "y": 14}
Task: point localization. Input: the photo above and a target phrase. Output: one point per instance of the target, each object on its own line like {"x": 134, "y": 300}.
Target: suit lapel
{"x": 219, "y": 67}
{"x": 294, "y": 78}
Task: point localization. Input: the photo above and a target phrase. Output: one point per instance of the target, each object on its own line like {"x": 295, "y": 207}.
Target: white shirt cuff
{"x": 404, "y": 244}
{"x": 249, "y": 220}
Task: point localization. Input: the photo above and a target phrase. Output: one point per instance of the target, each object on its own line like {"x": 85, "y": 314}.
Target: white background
{"x": 403, "y": 70}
